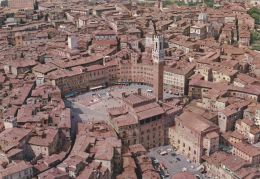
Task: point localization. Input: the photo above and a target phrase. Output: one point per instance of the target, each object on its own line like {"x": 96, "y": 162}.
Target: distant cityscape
{"x": 130, "y": 89}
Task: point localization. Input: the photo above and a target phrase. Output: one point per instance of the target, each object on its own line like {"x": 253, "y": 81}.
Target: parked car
{"x": 163, "y": 153}
{"x": 197, "y": 176}
{"x": 184, "y": 169}
{"x": 166, "y": 174}
{"x": 149, "y": 91}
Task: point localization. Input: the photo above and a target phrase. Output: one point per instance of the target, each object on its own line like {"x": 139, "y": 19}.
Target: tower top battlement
{"x": 158, "y": 48}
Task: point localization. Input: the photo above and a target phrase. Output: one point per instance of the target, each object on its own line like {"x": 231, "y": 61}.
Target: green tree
{"x": 209, "y": 3}
{"x": 180, "y": 3}
{"x": 36, "y": 5}
{"x": 255, "y": 13}
{"x": 255, "y": 36}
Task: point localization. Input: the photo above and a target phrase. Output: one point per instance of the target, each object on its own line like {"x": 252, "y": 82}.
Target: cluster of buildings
{"x": 97, "y": 153}
{"x": 35, "y": 127}
{"x": 54, "y": 49}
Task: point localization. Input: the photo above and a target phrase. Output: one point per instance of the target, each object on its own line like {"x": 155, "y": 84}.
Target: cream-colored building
{"x": 46, "y": 144}
{"x": 228, "y": 116}
{"x": 198, "y": 87}
{"x": 190, "y": 1}
{"x": 221, "y": 165}
{"x": 248, "y": 152}
{"x": 214, "y": 100}
{"x": 198, "y": 31}
{"x": 248, "y": 128}
{"x": 204, "y": 70}
{"x": 253, "y": 112}
{"x": 223, "y": 74}
{"x": 176, "y": 77}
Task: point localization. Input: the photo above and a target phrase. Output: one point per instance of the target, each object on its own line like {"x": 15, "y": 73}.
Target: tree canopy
{"x": 255, "y": 13}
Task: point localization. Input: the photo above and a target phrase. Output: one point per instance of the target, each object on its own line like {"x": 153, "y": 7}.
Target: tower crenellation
{"x": 158, "y": 49}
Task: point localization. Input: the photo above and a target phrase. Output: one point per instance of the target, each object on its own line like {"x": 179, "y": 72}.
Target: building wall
{"x": 24, "y": 174}
{"x": 219, "y": 76}
{"x": 46, "y": 150}
{"x": 244, "y": 41}
{"x": 37, "y": 150}
{"x": 217, "y": 172}
{"x": 181, "y": 139}
{"x": 152, "y": 133}
{"x": 129, "y": 134}
{"x": 105, "y": 37}
{"x": 177, "y": 83}
{"x": 137, "y": 72}
{"x": 210, "y": 145}
{"x": 149, "y": 41}
{"x": 205, "y": 72}
{"x": 20, "y": 4}
{"x": 148, "y": 132}
{"x": 257, "y": 117}
{"x": 244, "y": 95}
{"x": 174, "y": 82}
{"x": 227, "y": 123}
{"x": 196, "y": 92}
{"x": 191, "y": 143}
{"x": 40, "y": 78}
{"x": 198, "y": 33}
{"x": 189, "y": 1}
{"x": 244, "y": 129}
{"x": 252, "y": 159}
{"x": 86, "y": 80}
{"x": 213, "y": 104}
{"x": 158, "y": 80}
{"x": 186, "y": 49}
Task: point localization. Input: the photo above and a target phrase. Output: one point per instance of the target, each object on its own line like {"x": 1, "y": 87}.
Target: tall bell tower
{"x": 158, "y": 64}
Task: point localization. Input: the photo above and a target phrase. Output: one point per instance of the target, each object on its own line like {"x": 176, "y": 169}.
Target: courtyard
{"x": 174, "y": 162}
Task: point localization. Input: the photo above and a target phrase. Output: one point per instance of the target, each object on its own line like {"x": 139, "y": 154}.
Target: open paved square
{"x": 174, "y": 162}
